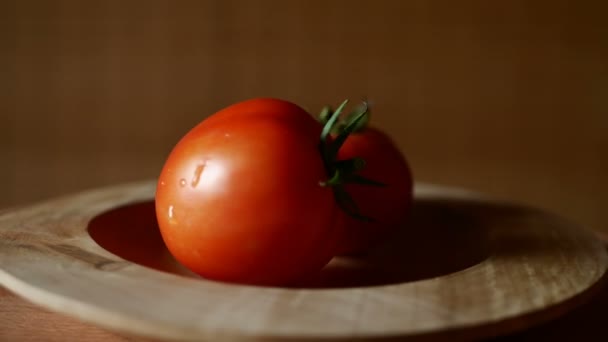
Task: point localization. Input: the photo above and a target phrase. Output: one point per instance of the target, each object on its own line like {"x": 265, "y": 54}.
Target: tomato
{"x": 387, "y": 206}
{"x": 240, "y": 197}
{"x": 272, "y": 109}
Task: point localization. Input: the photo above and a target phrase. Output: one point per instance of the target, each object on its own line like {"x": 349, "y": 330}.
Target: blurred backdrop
{"x": 509, "y": 98}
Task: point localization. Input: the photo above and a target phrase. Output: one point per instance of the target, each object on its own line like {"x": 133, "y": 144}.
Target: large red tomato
{"x": 240, "y": 197}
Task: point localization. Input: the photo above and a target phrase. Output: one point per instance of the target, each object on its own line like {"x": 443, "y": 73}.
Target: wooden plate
{"x": 466, "y": 267}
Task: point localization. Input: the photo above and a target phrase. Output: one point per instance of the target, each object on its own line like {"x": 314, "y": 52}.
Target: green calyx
{"x": 362, "y": 109}
{"x": 341, "y": 172}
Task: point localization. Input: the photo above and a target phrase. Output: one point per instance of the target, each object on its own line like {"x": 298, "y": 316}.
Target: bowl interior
{"x": 440, "y": 238}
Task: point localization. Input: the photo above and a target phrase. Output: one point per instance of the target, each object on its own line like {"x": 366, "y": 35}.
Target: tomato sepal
{"x": 342, "y": 172}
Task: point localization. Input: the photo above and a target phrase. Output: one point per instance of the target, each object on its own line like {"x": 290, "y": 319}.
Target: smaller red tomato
{"x": 387, "y": 205}
{"x": 376, "y": 210}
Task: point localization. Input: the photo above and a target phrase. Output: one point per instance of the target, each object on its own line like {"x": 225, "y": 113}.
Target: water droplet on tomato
{"x": 182, "y": 182}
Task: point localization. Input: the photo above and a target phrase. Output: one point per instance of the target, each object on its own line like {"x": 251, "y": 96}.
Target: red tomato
{"x": 387, "y": 205}
{"x": 239, "y": 198}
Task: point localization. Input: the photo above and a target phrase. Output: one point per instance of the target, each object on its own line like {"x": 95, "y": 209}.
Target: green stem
{"x": 331, "y": 122}
{"x": 350, "y": 127}
{"x": 324, "y": 115}
{"x": 342, "y": 172}
{"x": 361, "y": 124}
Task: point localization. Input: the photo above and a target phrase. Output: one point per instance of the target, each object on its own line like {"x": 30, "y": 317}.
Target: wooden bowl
{"x": 465, "y": 267}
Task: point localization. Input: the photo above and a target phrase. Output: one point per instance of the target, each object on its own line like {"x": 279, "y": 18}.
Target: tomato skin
{"x": 239, "y": 199}
{"x": 269, "y": 108}
{"x": 388, "y": 205}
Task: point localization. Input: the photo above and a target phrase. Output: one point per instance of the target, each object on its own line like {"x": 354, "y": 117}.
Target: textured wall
{"x": 506, "y": 97}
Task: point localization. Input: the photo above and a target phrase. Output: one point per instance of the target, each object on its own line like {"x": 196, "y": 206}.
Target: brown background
{"x": 508, "y": 97}
{"x": 505, "y": 97}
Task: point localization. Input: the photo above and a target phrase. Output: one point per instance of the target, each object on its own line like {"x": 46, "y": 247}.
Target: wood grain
{"x": 538, "y": 267}
{"x": 26, "y": 322}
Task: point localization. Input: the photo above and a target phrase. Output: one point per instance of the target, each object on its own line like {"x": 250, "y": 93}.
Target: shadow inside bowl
{"x": 441, "y": 237}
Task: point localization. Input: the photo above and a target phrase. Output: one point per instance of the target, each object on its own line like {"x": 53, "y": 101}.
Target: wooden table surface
{"x": 21, "y": 320}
